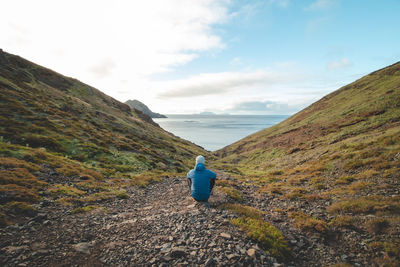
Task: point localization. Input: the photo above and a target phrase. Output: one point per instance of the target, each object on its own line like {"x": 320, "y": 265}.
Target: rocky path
{"x": 159, "y": 225}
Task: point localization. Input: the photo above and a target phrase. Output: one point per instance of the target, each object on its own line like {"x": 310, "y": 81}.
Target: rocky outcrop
{"x": 135, "y": 104}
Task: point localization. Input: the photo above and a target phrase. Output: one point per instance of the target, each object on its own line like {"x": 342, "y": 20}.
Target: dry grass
{"x": 305, "y": 222}
{"x": 367, "y": 205}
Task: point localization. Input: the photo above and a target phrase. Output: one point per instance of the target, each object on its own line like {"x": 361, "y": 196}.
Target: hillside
{"x": 332, "y": 170}
{"x": 62, "y": 140}
{"x": 136, "y": 104}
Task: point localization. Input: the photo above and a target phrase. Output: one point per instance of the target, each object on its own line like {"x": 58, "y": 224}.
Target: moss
{"x": 232, "y": 192}
{"x": 269, "y": 237}
{"x": 87, "y": 209}
{"x": 245, "y": 211}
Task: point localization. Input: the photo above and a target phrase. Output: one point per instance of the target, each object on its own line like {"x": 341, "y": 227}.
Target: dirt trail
{"x": 159, "y": 225}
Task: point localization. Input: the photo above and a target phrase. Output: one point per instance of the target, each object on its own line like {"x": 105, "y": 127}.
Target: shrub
{"x": 269, "y": 237}
{"x": 274, "y": 188}
{"x": 296, "y": 193}
{"x": 367, "y": 205}
{"x": 343, "y": 221}
{"x": 306, "y": 222}
{"x": 66, "y": 190}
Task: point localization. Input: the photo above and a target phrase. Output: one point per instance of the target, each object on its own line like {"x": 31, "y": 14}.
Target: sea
{"x": 213, "y": 132}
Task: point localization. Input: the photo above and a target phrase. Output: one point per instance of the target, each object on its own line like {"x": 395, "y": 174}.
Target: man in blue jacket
{"x": 201, "y": 180}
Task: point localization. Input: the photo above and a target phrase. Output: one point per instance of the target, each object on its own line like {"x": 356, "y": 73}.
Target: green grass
{"x": 87, "y": 209}
{"x": 269, "y": 237}
{"x": 243, "y": 210}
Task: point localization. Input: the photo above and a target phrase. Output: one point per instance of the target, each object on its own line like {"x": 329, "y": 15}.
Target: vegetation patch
{"x": 65, "y": 190}
{"x": 343, "y": 221}
{"x": 19, "y": 208}
{"x": 269, "y": 237}
{"x": 305, "y": 222}
{"x": 296, "y": 193}
{"x": 243, "y": 210}
{"x": 271, "y": 189}
{"x": 367, "y": 205}
{"x": 377, "y": 225}
{"x": 232, "y": 192}
{"x": 344, "y": 180}
{"x": 87, "y": 209}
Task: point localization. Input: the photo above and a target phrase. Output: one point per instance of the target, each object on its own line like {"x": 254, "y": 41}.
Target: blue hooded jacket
{"x": 201, "y": 181}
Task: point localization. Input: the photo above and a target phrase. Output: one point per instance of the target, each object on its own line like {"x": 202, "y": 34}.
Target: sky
{"x": 221, "y": 56}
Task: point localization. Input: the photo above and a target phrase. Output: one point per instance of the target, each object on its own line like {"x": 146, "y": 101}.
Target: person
{"x": 201, "y": 181}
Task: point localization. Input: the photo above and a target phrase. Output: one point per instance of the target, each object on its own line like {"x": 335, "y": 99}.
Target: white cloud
{"x": 263, "y": 107}
{"x": 221, "y": 83}
{"x": 339, "y": 64}
{"x": 105, "y": 42}
{"x": 321, "y": 5}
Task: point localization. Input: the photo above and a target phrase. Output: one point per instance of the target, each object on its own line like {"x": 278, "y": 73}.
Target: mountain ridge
{"x": 136, "y": 104}
{"x": 64, "y": 141}
{"x": 331, "y": 170}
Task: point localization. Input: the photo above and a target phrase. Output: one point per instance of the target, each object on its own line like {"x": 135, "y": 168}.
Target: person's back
{"x": 201, "y": 180}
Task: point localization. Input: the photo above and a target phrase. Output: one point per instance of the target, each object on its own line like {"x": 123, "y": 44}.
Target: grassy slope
{"x": 341, "y": 153}
{"x": 86, "y": 140}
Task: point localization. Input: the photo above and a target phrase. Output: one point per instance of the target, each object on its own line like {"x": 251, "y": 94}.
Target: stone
{"x": 231, "y": 256}
{"x": 83, "y": 247}
{"x": 251, "y": 252}
{"x": 225, "y": 235}
{"x": 212, "y": 244}
{"x": 210, "y": 262}
{"x": 177, "y": 253}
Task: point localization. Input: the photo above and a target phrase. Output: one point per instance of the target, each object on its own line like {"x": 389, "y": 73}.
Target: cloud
{"x": 102, "y": 69}
{"x": 220, "y": 83}
{"x": 112, "y": 40}
{"x": 263, "y": 107}
{"x": 321, "y": 5}
{"x": 340, "y": 64}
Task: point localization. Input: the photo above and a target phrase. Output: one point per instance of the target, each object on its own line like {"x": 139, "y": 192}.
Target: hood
{"x": 200, "y": 167}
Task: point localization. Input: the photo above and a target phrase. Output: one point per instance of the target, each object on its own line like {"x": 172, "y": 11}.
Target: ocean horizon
{"x": 213, "y": 132}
